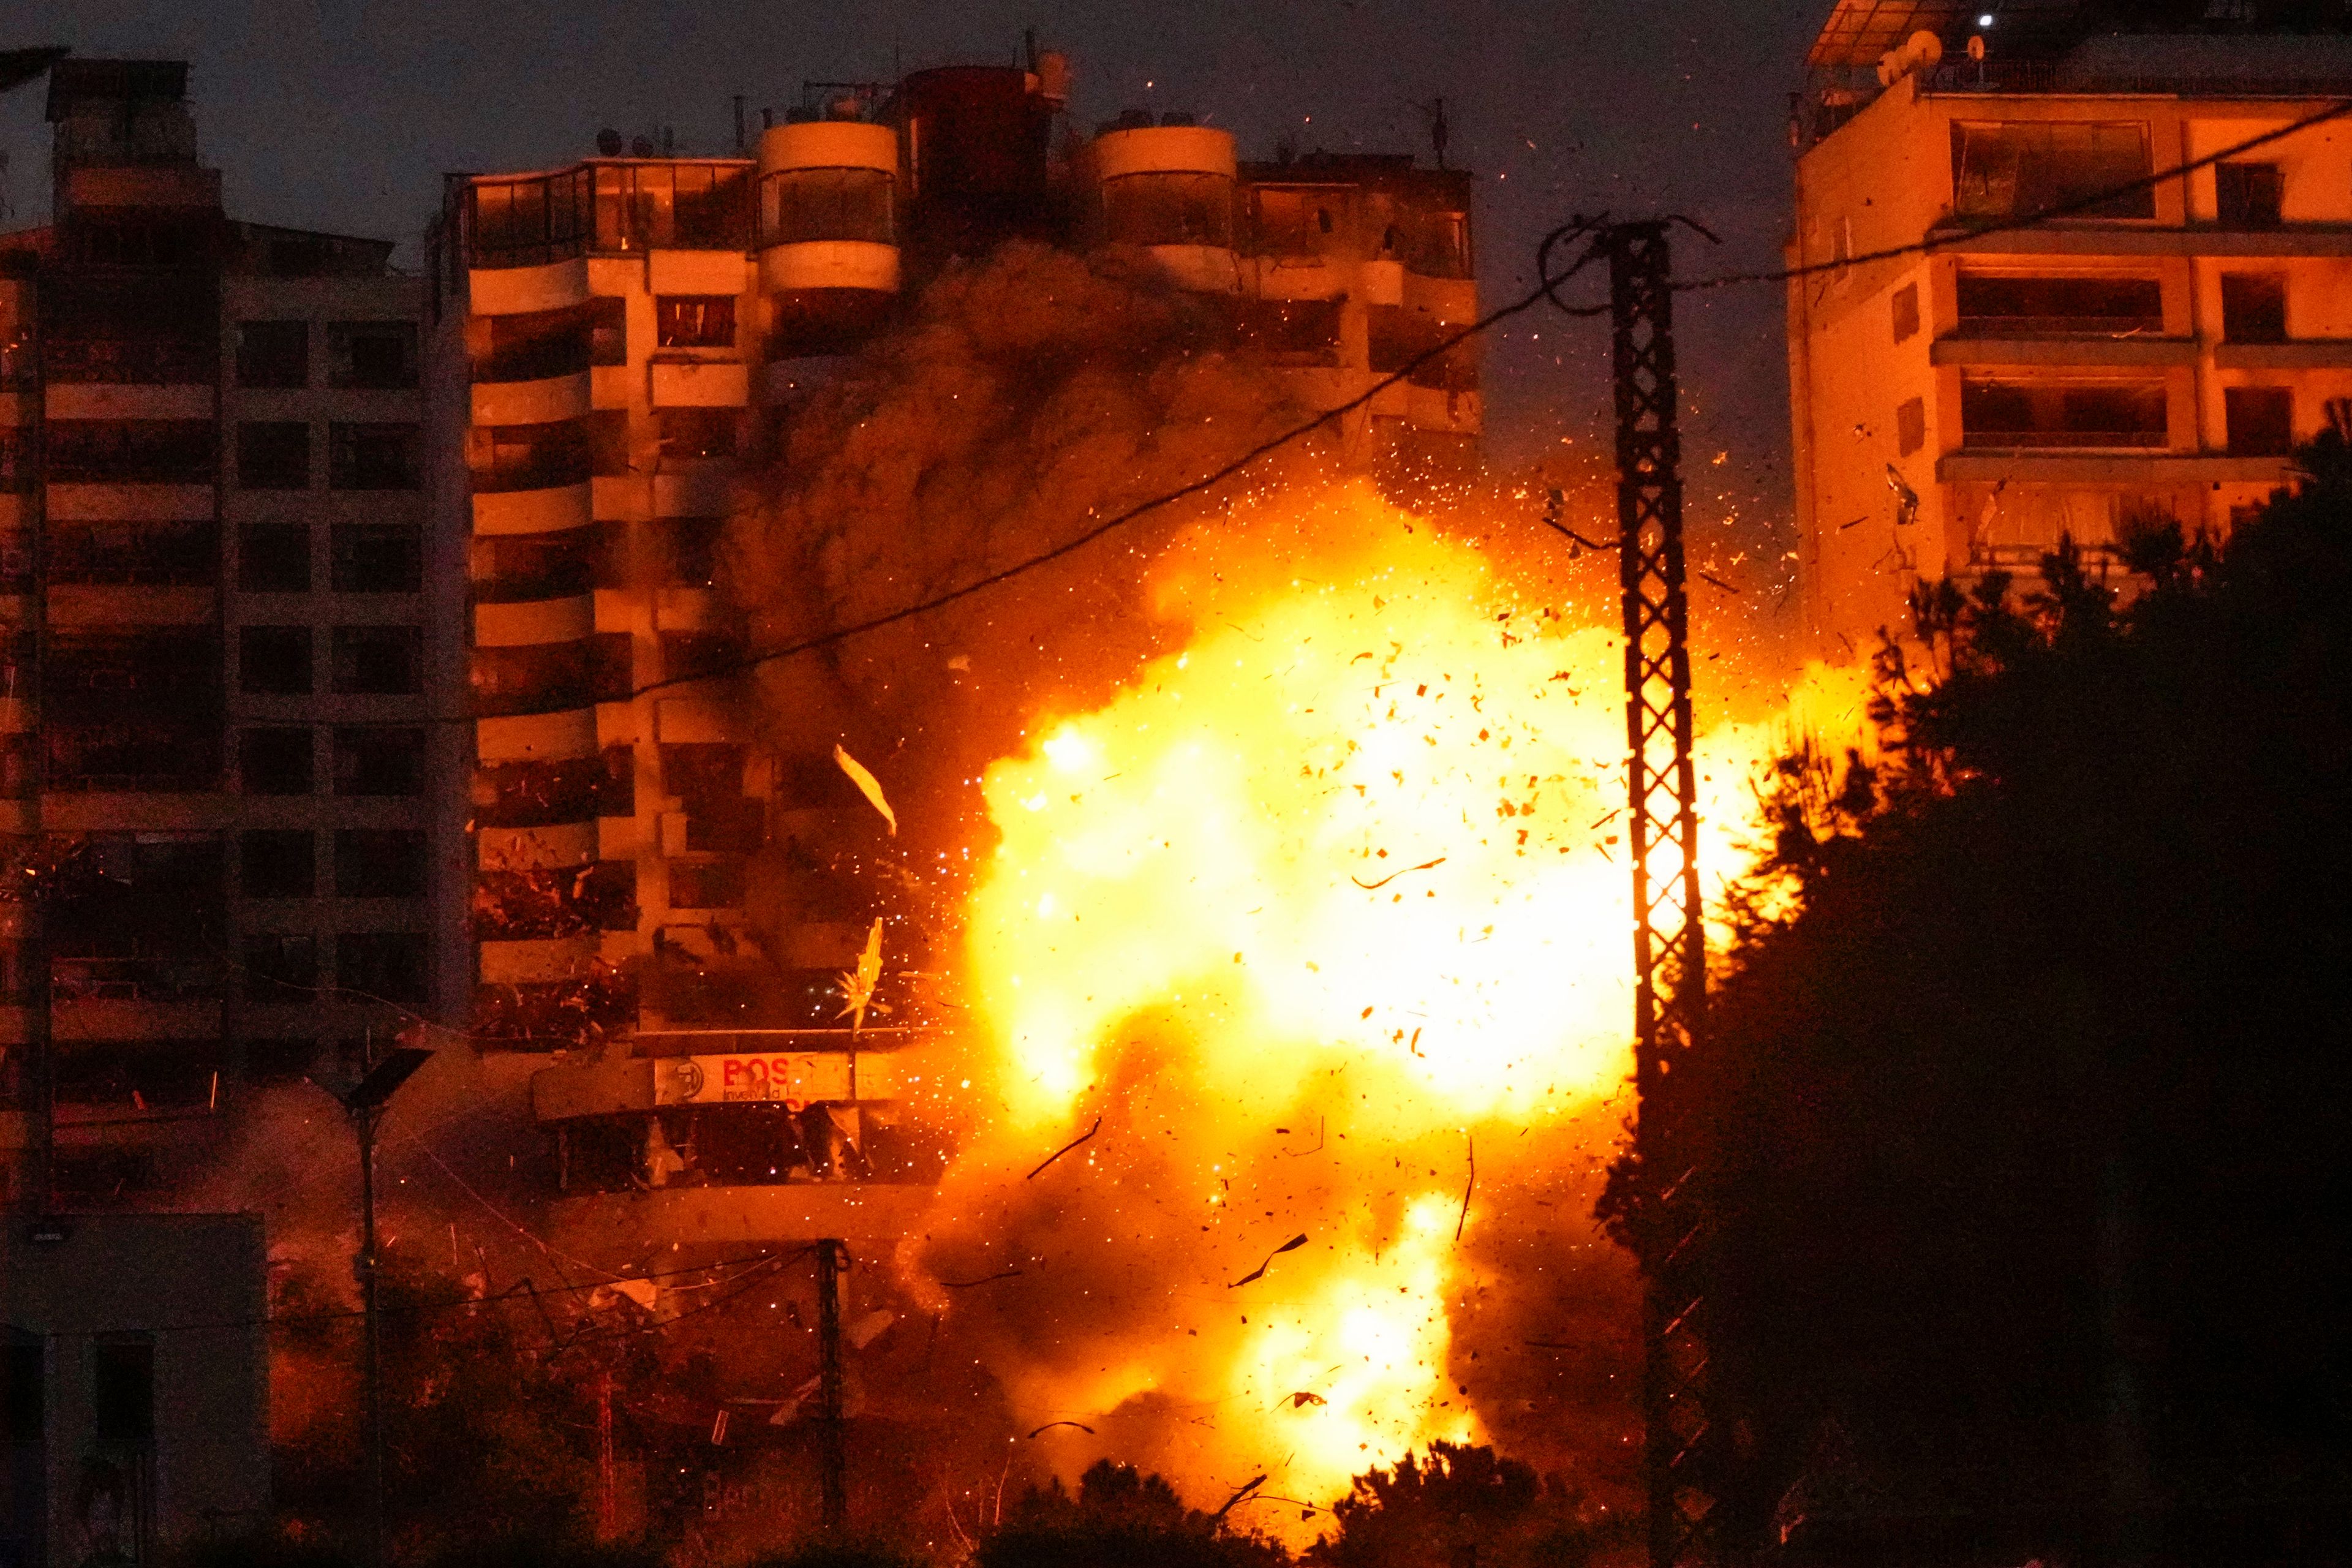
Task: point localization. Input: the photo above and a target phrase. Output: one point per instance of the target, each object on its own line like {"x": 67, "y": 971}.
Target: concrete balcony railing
{"x": 533, "y": 511}
{"x": 538, "y": 402}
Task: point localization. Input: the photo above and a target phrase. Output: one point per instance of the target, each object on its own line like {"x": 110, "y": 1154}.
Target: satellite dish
{"x": 608, "y": 143}
{"x": 1977, "y": 47}
{"x": 643, "y": 147}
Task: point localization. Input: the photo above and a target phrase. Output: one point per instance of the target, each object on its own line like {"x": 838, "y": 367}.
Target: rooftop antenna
{"x": 1439, "y": 135}
{"x": 739, "y": 123}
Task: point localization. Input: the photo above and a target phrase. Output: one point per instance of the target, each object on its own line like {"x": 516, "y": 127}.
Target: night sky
{"x": 343, "y": 116}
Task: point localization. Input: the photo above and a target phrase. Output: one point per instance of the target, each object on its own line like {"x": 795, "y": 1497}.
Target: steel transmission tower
{"x": 1669, "y": 933}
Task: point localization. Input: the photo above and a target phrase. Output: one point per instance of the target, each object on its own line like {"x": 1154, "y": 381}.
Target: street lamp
{"x": 364, "y": 1103}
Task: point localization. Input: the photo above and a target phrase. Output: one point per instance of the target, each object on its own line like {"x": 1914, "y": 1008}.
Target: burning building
{"x": 223, "y": 615}
{"x": 2151, "y": 351}
{"x": 633, "y": 338}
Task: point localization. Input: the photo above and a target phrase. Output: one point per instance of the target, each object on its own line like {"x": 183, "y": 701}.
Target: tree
{"x": 2018, "y": 1137}
{"x": 1464, "y": 1506}
{"x": 1118, "y": 1515}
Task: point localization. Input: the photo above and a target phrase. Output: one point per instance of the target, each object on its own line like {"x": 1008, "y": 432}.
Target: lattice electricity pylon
{"x": 1669, "y": 933}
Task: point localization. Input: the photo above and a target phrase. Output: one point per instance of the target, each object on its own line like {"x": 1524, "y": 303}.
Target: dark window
{"x": 274, "y": 558}
{"x": 528, "y": 456}
{"x": 673, "y": 204}
{"x": 608, "y": 442}
{"x": 274, "y": 660}
{"x": 274, "y": 761}
{"x": 187, "y": 553}
{"x": 385, "y": 965}
{"x": 531, "y": 345}
{"x": 2253, "y": 306}
{"x": 23, "y": 1389}
{"x": 570, "y": 789}
{"x": 805, "y": 323}
{"x": 1437, "y": 244}
{"x": 377, "y": 558}
{"x": 17, "y": 469}
{"x": 694, "y": 321}
{"x": 798, "y": 204}
{"x": 1167, "y": 207}
{"x": 608, "y": 330}
{"x": 528, "y": 222}
{"x": 698, "y": 432}
{"x": 132, "y": 451}
{"x": 511, "y": 568}
{"x": 1906, "y": 313}
{"x": 538, "y": 678}
{"x": 691, "y": 550}
{"x": 689, "y": 654}
{"x": 2261, "y": 420}
{"x": 279, "y": 863}
{"x": 372, "y": 457}
{"x": 706, "y": 884}
{"x": 273, "y": 455}
{"x": 379, "y": 863}
{"x": 378, "y": 661}
{"x": 1993, "y": 305}
{"x": 380, "y": 355}
{"x": 273, "y": 353}
{"x": 2062, "y": 414}
{"x": 1290, "y": 332}
{"x": 2029, "y": 166}
{"x": 281, "y": 968}
{"x": 1910, "y": 425}
{"x": 379, "y": 760}
{"x": 1290, "y": 220}
{"x": 122, "y": 1390}
{"x": 2249, "y": 196}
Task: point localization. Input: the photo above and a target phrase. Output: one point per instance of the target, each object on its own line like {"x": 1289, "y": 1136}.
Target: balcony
{"x": 131, "y": 362}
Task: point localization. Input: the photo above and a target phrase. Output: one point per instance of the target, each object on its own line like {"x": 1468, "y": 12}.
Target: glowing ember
{"x": 1309, "y": 914}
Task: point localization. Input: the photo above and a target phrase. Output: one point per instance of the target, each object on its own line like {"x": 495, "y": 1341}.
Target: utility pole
{"x": 832, "y": 1257}
{"x": 364, "y": 1103}
{"x": 1669, "y": 930}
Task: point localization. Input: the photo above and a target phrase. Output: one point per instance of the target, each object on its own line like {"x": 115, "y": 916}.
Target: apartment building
{"x": 630, "y": 333}
{"x": 223, "y": 621}
{"x": 2156, "y": 354}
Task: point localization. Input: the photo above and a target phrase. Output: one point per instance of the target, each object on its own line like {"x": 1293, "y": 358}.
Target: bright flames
{"x": 1311, "y": 915}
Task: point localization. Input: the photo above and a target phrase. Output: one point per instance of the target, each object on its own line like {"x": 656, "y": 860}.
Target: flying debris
{"x": 867, "y": 786}
{"x": 1259, "y": 1272}
{"x": 857, "y": 984}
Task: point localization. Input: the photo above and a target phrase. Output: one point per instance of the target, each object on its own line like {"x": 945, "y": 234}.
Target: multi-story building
{"x": 2154, "y": 351}
{"x": 627, "y": 331}
{"x": 224, "y": 617}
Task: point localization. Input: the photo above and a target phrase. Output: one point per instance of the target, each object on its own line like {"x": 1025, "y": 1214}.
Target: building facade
{"x": 2152, "y": 351}
{"x": 225, "y": 622}
{"x": 629, "y": 335}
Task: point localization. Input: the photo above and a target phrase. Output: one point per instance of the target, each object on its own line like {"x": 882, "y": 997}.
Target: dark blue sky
{"x": 343, "y": 115}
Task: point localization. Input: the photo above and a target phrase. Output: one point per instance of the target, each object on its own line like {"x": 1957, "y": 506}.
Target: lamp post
{"x": 364, "y": 1103}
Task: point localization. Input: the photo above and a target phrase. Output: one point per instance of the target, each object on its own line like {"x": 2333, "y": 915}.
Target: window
{"x": 1910, "y": 425}
{"x": 2253, "y": 306}
{"x": 697, "y": 432}
{"x": 132, "y": 451}
{"x": 274, "y": 761}
{"x": 122, "y": 1389}
{"x": 273, "y": 661}
{"x": 538, "y": 678}
{"x": 389, "y": 966}
{"x": 570, "y": 789}
{"x": 282, "y": 969}
{"x": 672, "y": 205}
{"x": 1906, "y": 313}
{"x": 379, "y": 863}
{"x": 378, "y": 760}
{"x": 528, "y": 456}
{"x": 706, "y": 884}
{"x": 187, "y": 553}
{"x": 378, "y": 355}
{"x": 528, "y": 222}
{"x": 2261, "y": 420}
{"x": 690, "y": 549}
{"x": 1997, "y": 305}
{"x": 799, "y": 205}
{"x": 23, "y": 1389}
{"x": 608, "y": 442}
{"x": 372, "y": 457}
{"x": 273, "y": 455}
{"x": 279, "y": 863}
{"x": 376, "y": 558}
{"x": 694, "y": 321}
{"x": 689, "y": 654}
{"x": 516, "y": 567}
{"x": 1290, "y": 332}
{"x": 17, "y": 467}
{"x": 1292, "y": 221}
{"x": 608, "y": 330}
{"x": 1169, "y": 208}
{"x": 273, "y": 353}
{"x": 378, "y": 661}
{"x": 2021, "y": 167}
{"x": 2249, "y": 196}
{"x": 2062, "y": 414}
{"x": 532, "y": 345}
{"x": 1437, "y": 244}
{"x": 274, "y": 558}
{"x": 803, "y": 323}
